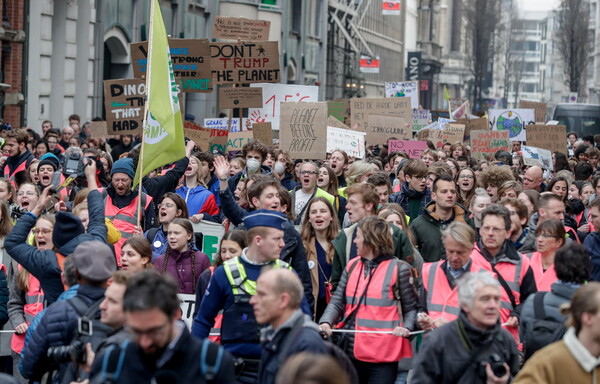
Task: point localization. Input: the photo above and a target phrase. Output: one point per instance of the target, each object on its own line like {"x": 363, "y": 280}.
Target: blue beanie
{"x": 123, "y": 165}
{"x": 50, "y": 159}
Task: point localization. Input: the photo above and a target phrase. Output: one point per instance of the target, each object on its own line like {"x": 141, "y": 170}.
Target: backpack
{"x": 112, "y": 364}
{"x": 545, "y": 330}
{"x": 89, "y": 330}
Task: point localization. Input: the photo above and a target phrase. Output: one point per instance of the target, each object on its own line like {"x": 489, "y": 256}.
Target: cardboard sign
{"x": 263, "y": 132}
{"x": 404, "y": 89}
{"x": 537, "y": 156}
{"x": 243, "y": 63}
{"x": 240, "y": 97}
{"x": 453, "y": 133}
{"x": 333, "y": 122}
{"x": 381, "y": 128}
{"x": 303, "y": 130}
{"x": 362, "y": 108}
{"x": 539, "y": 109}
{"x": 550, "y": 137}
{"x": 218, "y": 140}
{"x": 512, "y": 120}
{"x": 486, "y": 142}
{"x": 239, "y": 28}
{"x": 480, "y": 124}
{"x": 353, "y": 142}
{"x": 98, "y": 129}
{"x": 420, "y": 119}
{"x": 412, "y": 147}
{"x": 236, "y": 140}
{"x": 124, "y": 105}
{"x": 274, "y": 95}
{"x": 197, "y": 134}
{"x": 190, "y": 59}
{"x": 222, "y": 123}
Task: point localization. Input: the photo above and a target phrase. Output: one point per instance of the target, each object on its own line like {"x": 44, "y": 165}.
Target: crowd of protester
{"x": 438, "y": 269}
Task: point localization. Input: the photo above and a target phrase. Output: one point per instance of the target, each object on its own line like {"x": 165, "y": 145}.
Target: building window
{"x": 296, "y": 16}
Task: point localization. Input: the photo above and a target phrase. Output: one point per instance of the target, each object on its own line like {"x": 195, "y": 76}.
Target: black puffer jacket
{"x": 405, "y": 289}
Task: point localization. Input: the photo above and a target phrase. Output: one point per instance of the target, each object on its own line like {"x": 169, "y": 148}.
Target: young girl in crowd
{"x": 199, "y": 200}
{"x": 170, "y": 207}
{"x": 466, "y": 184}
{"x": 136, "y": 254}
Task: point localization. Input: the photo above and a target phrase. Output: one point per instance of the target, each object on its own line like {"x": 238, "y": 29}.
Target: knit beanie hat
{"x": 123, "y": 165}
{"x": 67, "y": 227}
{"x": 50, "y": 159}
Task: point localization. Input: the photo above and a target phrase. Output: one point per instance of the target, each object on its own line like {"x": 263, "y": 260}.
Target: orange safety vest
{"x": 513, "y": 272}
{"x": 543, "y": 279}
{"x": 124, "y": 219}
{"x": 11, "y": 176}
{"x": 378, "y": 311}
{"x": 34, "y": 304}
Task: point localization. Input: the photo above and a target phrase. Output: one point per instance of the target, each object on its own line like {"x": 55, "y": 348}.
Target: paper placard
{"x": 512, "y": 120}
{"x": 218, "y": 140}
{"x": 480, "y": 124}
{"x": 453, "y": 133}
{"x": 303, "y": 130}
{"x": 239, "y": 28}
{"x": 197, "y": 134}
{"x": 236, "y": 140}
{"x": 124, "y": 105}
{"x": 381, "y": 128}
{"x": 263, "y": 132}
{"x": 333, "y": 122}
{"x": 486, "y": 142}
{"x": 245, "y": 62}
{"x": 412, "y": 147}
{"x": 191, "y": 63}
{"x": 98, "y": 129}
{"x": 274, "y": 95}
{"x": 420, "y": 119}
{"x": 240, "y": 97}
{"x": 353, "y": 142}
{"x": 539, "y": 109}
{"x": 362, "y": 108}
{"x": 550, "y": 137}
{"x": 222, "y": 123}
{"x": 537, "y": 156}
{"x": 187, "y": 303}
{"x": 404, "y": 89}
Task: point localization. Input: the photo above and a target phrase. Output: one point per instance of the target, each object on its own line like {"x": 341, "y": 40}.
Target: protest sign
{"x": 245, "y": 62}
{"x": 480, "y": 124}
{"x": 240, "y": 97}
{"x": 190, "y": 59}
{"x": 197, "y": 134}
{"x": 550, "y": 137}
{"x": 539, "y": 109}
{"x": 420, "y": 119}
{"x": 512, "y": 120}
{"x": 187, "y": 304}
{"x": 218, "y": 140}
{"x": 239, "y": 28}
{"x": 486, "y": 142}
{"x": 263, "y": 132}
{"x": 222, "y": 123}
{"x": 124, "y": 105}
{"x": 453, "y": 133}
{"x": 98, "y": 129}
{"x": 274, "y": 95}
{"x": 333, "y": 122}
{"x": 411, "y": 147}
{"x": 360, "y": 110}
{"x": 404, "y": 89}
{"x": 303, "y": 129}
{"x": 443, "y": 122}
{"x": 381, "y": 128}
{"x": 236, "y": 140}
{"x": 537, "y": 156}
{"x": 353, "y": 142}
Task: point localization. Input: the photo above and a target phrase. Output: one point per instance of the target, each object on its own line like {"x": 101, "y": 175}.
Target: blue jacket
{"x": 592, "y": 245}
{"x": 56, "y": 328}
{"x": 43, "y": 265}
{"x": 195, "y": 198}
{"x": 214, "y": 187}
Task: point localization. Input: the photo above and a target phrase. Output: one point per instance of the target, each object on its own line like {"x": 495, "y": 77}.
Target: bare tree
{"x": 572, "y": 40}
{"x": 484, "y": 20}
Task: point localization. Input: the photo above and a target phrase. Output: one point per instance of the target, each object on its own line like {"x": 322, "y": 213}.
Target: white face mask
{"x": 253, "y": 165}
{"x": 279, "y": 168}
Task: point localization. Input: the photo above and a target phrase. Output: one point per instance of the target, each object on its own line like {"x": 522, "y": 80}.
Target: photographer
{"x": 473, "y": 348}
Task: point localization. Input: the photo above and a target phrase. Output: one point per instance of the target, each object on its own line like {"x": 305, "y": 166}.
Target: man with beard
{"x": 307, "y": 190}
{"x": 414, "y": 195}
{"x": 339, "y": 162}
{"x": 162, "y": 350}
{"x": 19, "y": 157}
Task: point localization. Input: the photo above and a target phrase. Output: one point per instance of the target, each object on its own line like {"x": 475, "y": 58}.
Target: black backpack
{"x": 545, "y": 329}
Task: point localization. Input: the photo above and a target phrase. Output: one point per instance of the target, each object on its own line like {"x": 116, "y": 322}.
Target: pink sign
{"x": 413, "y": 148}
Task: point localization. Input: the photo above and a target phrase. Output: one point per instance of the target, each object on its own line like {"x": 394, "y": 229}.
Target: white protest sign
{"x": 222, "y": 123}
{"x": 512, "y": 120}
{"x": 212, "y": 233}
{"x": 274, "y": 95}
{"x": 442, "y": 122}
{"x": 421, "y": 118}
{"x": 187, "y": 303}
{"x": 404, "y": 89}
{"x": 353, "y": 142}
{"x": 537, "y": 156}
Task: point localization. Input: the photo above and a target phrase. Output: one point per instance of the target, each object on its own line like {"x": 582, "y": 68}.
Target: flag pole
{"x": 145, "y": 121}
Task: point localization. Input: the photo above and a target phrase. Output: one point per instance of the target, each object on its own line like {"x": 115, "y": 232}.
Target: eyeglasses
{"x": 43, "y": 231}
{"x": 494, "y": 230}
{"x": 547, "y": 236}
{"x": 28, "y": 193}
{"x": 469, "y": 177}
{"x": 308, "y": 173}
{"x": 152, "y": 332}
{"x": 420, "y": 177}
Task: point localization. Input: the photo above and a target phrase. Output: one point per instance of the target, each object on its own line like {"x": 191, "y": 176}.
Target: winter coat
{"x": 179, "y": 265}
{"x": 198, "y": 200}
{"x": 592, "y": 245}
{"x": 405, "y": 194}
{"x": 158, "y": 186}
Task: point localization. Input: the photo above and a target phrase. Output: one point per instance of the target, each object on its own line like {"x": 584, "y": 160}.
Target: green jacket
{"x": 343, "y": 243}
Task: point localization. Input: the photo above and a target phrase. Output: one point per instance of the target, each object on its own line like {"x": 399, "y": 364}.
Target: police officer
{"x": 234, "y": 283}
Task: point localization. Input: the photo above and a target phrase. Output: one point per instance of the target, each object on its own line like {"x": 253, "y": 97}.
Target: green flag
{"x": 163, "y": 140}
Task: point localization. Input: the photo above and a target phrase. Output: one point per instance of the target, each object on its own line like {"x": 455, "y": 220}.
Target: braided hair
{"x": 187, "y": 226}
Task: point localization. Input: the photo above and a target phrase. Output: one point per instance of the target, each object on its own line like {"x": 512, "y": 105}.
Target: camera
{"x": 74, "y": 165}
{"x": 67, "y": 353}
{"x": 496, "y": 364}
